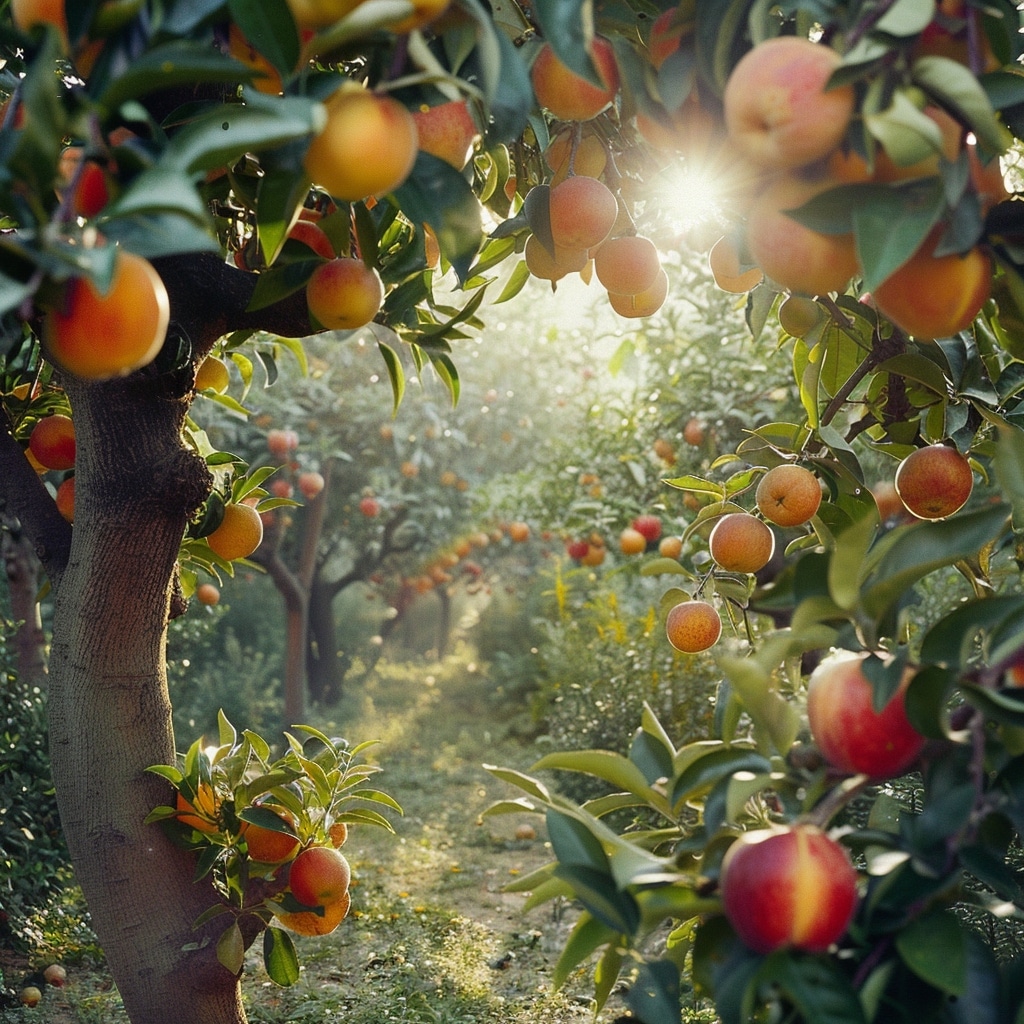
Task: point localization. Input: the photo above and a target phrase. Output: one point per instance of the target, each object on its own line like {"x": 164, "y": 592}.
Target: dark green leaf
{"x": 934, "y": 947}
{"x": 279, "y": 957}
{"x": 270, "y": 28}
{"x": 587, "y": 935}
{"x": 568, "y": 26}
{"x": 816, "y": 986}
{"x": 953, "y": 639}
{"x": 701, "y": 774}
{"x": 596, "y": 890}
{"x": 436, "y": 194}
{"x": 654, "y": 995}
{"x": 575, "y": 845}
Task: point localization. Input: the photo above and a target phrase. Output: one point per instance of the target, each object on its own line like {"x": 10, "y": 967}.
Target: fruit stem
{"x": 836, "y": 799}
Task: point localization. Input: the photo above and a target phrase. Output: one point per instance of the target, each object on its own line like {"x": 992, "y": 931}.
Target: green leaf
{"x": 231, "y": 948}
{"x": 955, "y": 87}
{"x": 703, "y": 773}
{"x": 776, "y": 720}
{"x": 816, "y": 986}
{"x": 1000, "y": 707}
{"x": 270, "y": 28}
{"x": 892, "y": 222}
{"x": 906, "y": 18}
{"x": 568, "y": 26}
{"x": 952, "y": 639}
{"x": 604, "y": 764}
{"x": 575, "y": 844}
{"x": 907, "y": 134}
{"x": 279, "y": 957}
{"x": 587, "y": 935}
{"x": 529, "y": 785}
{"x": 925, "y": 547}
{"x": 1009, "y": 470}
{"x": 654, "y": 995}
{"x": 934, "y": 947}
{"x": 596, "y": 891}
{"x": 436, "y": 194}
{"x": 166, "y": 65}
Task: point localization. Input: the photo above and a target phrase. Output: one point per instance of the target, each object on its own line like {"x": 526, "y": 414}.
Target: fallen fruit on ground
{"x": 934, "y": 482}
{"x": 777, "y": 108}
{"x": 319, "y": 875}
{"x": 693, "y": 626}
{"x": 55, "y": 975}
{"x": 740, "y": 542}
{"x": 344, "y": 294}
{"x": 52, "y": 442}
{"x": 366, "y": 148}
{"x": 239, "y": 534}
{"x": 788, "y": 888}
{"x": 567, "y": 95}
{"x": 96, "y": 335}
{"x": 788, "y": 495}
{"x": 30, "y": 996}
{"x": 851, "y": 735}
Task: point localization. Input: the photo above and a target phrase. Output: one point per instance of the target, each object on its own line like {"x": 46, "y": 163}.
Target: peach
{"x": 693, "y": 626}
{"x": 778, "y": 109}
{"x": 788, "y": 888}
{"x": 552, "y": 267}
{"x": 933, "y": 296}
{"x": 667, "y": 31}
{"x": 851, "y": 735}
{"x": 729, "y": 274}
{"x": 52, "y": 442}
{"x": 644, "y": 303}
{"x": 627, "y": 265}
{"x": 98, "y": 335}
{"x": 934, "y": 482}
{"x": 796, "y": 257}
{"x": 582, "y": 211}
{"x": 788, "y": 495}
{"x": 447, "y": 131}
{"x": 632, "y": 542}
{"x": 367, "y": 146}
{"x": 741, "y": 542}
{"x": 344, "y": 294}
{"x": 567, "y": 95}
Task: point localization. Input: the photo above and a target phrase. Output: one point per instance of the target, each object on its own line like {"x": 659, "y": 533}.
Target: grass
{"x": 432, "y": 938}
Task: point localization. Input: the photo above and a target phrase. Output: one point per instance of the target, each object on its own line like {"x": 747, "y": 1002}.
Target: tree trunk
{"x": 110, "y": 712}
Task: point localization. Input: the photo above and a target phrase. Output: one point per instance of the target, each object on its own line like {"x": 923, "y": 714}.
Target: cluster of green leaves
{"x": 319, "y": 782}
{"x": 33, "y": 854}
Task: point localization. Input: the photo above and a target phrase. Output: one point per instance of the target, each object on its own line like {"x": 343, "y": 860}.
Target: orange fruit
{"x": 52, "y": 442}
{"x": 97, "y": 335}
{"x": 788, "y": 495}
{"x": 693, "y": 626}
{"x": 269, "y": 846}
{"x": 208, "y": 594}
{"x": 202, "y": 815}
{"x": 319, "y": 875}
{"x": 309, "y": 922}
{"x": 213, "y": 374}
{"x": 239, "y": 534}
{"x": 934, "y": 482}
{"x": 740, "y": 542}
{"x": 66, "y": 499}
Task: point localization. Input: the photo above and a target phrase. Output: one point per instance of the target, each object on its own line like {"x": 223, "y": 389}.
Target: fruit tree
{"x": 158, "y": 157}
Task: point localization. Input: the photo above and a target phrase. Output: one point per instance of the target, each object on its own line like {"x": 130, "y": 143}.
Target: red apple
{"x": 649, "y": 526}
{"x": 577, "y": 549}
{"x": 790, "y": 887}
{"x": 851, "y": 735}
{"x": 369, "y": 506}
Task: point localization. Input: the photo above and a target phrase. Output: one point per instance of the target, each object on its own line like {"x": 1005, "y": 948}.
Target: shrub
{"x": 34, "y": 862}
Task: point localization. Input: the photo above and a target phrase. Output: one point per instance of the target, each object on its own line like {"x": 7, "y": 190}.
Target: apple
{"x": 788, "y": 888}
{"x": 55, "y": 975}
{"x": 851, "y": 735}
{"x": 30, "y": 995}
{"x": 649, "y": 526}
